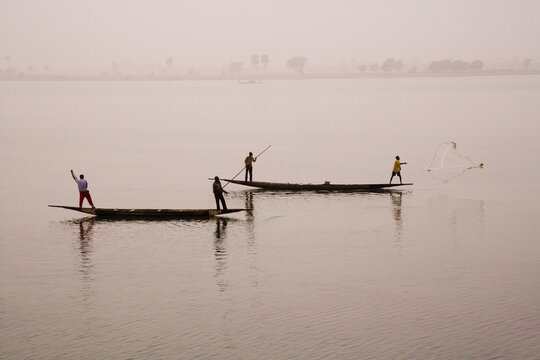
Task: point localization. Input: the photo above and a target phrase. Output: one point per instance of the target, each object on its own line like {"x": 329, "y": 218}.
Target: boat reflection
{"x": 262, "y": 193}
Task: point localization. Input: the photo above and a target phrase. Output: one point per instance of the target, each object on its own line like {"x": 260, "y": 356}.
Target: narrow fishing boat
{"x": 149, "y": 213}
{"x": 326, "y": 186}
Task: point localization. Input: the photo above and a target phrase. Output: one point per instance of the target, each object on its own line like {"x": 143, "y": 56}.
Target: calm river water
{"x": 437, "y": 270}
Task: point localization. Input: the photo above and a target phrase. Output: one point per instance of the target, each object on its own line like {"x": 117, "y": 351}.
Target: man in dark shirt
{"x": 218, "y": 193}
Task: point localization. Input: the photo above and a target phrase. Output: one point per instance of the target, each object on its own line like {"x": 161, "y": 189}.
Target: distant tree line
{"x": 238, "y": 66}
{"x": 455, "y": 66}
{"x": 296, "y": 64}
{"x": 441, "y": 66}
{"x": 390, "y": 65}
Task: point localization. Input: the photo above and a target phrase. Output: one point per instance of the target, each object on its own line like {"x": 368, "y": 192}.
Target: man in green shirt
{"x": 218, "y": 193}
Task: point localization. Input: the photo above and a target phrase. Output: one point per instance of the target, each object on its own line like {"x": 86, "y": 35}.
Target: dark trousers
{"x": 219, "y": 197}
{"x": 394, "y": 174}
{"x": 249, "y": 170}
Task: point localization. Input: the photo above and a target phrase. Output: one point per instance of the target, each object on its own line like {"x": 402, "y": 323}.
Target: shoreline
{"x": 254, "y": 79}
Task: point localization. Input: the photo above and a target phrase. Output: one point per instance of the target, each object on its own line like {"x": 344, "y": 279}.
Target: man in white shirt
{"x": 83, "y": 190}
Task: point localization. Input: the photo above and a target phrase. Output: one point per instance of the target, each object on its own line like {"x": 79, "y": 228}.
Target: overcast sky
{"x": 94, "y": 33}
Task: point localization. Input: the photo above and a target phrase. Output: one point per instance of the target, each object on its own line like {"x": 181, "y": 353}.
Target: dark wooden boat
{"x": 150, "y": 213}
{"x": 313, "y": 187}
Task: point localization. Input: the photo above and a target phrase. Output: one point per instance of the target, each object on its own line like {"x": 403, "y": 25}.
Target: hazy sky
{"x": 94, "y": 33}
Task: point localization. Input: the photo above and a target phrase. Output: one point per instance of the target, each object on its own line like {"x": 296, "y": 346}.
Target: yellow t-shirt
{"x": 249, "y": 161}
{"x": 397, "y": 166}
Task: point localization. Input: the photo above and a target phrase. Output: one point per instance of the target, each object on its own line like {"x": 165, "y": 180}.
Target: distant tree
{"x": 440, "y": 66}
{"x": 476, "y": 65}
{"x": 459, "y": 66}
{"x": 432, "y": 67}
{"x": 236, "y": 66}
{"x": 390, "y": 65}
{"x": 265, "y": 60}
{"x": 169, "y": 63}
{"x": 255, "y": 60}
{"x": 374, "y": 68}
{"x": 387, "y": 65}
{"x": 297, "y": 64}
{"x": 527, "y": 63}
{"x": 362, "y": 68}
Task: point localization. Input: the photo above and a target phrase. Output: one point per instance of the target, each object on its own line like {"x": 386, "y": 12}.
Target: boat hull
{"x": 313, "y": 187}
{"x": 149, "y": 213}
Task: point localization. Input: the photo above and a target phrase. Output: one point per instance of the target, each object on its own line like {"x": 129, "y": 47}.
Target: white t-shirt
{"x": 82, "y": 184}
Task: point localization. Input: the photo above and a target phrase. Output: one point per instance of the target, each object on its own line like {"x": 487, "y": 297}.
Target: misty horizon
{"x": 78, "y": 37}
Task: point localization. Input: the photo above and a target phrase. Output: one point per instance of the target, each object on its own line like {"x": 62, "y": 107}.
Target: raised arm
{"x": 73, "y": 174}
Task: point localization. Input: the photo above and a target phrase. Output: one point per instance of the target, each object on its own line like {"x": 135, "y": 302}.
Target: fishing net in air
{"x": 448, "y": 163}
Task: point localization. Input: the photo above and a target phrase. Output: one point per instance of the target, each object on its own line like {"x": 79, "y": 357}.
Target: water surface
{"x": 439, "y": 270}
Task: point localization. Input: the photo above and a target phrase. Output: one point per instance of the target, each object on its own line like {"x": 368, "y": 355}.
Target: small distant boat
{"x": 326, "y": 186}
{"x": 250, "y": 82}
{"x": 150, "y": 213}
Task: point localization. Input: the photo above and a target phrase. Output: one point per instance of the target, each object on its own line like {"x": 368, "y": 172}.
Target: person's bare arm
{"x": 73, "y": 174}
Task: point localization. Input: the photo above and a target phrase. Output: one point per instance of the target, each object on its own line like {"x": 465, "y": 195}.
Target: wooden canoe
{"x": 313, "y": 187}
{"x": 150, "y": 213}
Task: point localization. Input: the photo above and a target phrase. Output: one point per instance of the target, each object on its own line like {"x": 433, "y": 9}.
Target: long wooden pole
{"x": 262, "y": 152}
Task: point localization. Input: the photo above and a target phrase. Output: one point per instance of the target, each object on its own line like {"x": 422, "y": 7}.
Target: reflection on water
{"x": 249, "y": 195}
{"x": 250, "y": 220}
{"x": 84, "y": 243}
{"x": 461, "y": 217}
{"x": 248, "y": 205}
{"x": 251, "y": 240}
{"x": 86, "y": 226}
{"x": 396, "y": 208}
{"x": 430, "y": 273}
{"x": 220, "y": 252}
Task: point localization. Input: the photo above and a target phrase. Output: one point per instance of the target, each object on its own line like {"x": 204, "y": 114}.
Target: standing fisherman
{"x": 83, "y": 190}
{"x": 218, "y": 193}
{"x": 397, "y": 169}
{"x": 249, "y": 166}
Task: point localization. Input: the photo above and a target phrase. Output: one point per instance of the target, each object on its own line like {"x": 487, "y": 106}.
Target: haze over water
{"x": 113, "y": 37}
{"x": 437, "y": 270}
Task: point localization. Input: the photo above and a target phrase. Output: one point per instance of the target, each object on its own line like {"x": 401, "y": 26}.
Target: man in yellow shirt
{"x": 397, "y": 169}
{"x": 249, "y": 166}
